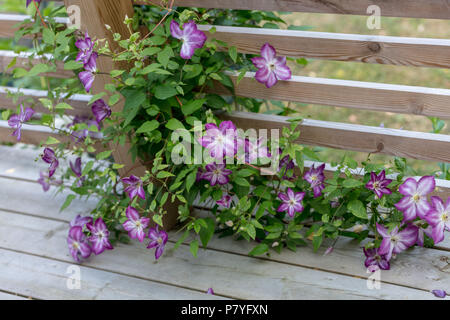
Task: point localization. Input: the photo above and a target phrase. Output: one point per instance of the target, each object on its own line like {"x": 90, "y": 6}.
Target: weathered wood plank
{"x": 79, "y": 102}
{"x": 404, "y": 51}
{"x": 433, "y": 9}
{"x": 47, "y": 279}
{"x": 7, "y": 296}
{"x": 224, "y": 272}
{"x": 349, "y": 94}
{"x": 401, "y": 143}
{"x": 23, "y": 60}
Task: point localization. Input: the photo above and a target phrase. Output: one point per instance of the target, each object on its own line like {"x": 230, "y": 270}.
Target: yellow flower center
{"x": 416, "y": 198}
{"x": 445, "y": 216}
{"x": 313, "y": 177}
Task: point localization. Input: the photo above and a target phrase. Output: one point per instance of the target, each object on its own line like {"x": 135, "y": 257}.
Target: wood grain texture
{"x": 433, "y": 9}
{"x": 401, "y": 143}
{"x": 79, "y": 102}
{"x": 418, "y": 52}
{"x": 23, "y": 60}
{"x": 42, "y": 278}
{"x": 349, "y": 94}
{"x": 229, "y": 274}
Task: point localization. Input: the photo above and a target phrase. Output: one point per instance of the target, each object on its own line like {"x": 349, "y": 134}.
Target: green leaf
{"x": 194, "y": 248}
{"x": 51, "y": 140}
{"x": 20, "y": 72}
{"x": 192, "y": 106}
{"x": 158, "y": 219}
{"x": 68, "y": 201}
{"x": 103, "y": 155}
{"x": 72, "y": 65}
{"x": 164, "y": 174}
{"x": 317, "y": 241}
{"x": 165, "y": 55}
{"x": 259, "y": 250}
{"x": 357, "y": 208}
{"x": 148, "y": 126}
{"x": 133, "y": 100}
{"x": 207, "y": 233}
{"x": 163, "y": 92}
{"x": 174, "y": 124}
{"x": 181, "y": 240}
{"x": 48, "y": 36}
{"x": 87, "y": 168}
{"x": 63, "y": 106}
{"x": 37, "y": 69}
{"x": 233, "y": 53}
{"x": 190, "y": 180}
{"x": 242, "y": 182}
{"x": 352, "y": 183}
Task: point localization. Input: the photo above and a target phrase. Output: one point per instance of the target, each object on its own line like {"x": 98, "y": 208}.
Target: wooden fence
{"x": 417, "y": 52}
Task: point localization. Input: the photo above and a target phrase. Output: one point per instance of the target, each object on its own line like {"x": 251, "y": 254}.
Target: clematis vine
{"x": 158, "y": 240}
{"x": 270, "y": 67}
{"x": 291, "y": 202}
{"x": 101, "y": 110}
{"x": 17, "y": 120}
{"x": 315, "y": 178}
{"x": 135, "y": 224}
{"x": 415, "y": 203}
{"x": 375, "y": 260}
{"x": 49, "y": 157}
{"x": 99, "y": 236}
{"x": 216, "y": 174}
{"x": 225, "y": 201}
{"x": 135, "y": 187}
{"x": 190, "y": 36}
{"x": 396, "y": 241}
{"x": 220, "y": 141}
{"x": 78, "y": 244}
{"x": 439, "y": 218}
{"x": 379, "y": 183}
{"x": 76, "y": 169}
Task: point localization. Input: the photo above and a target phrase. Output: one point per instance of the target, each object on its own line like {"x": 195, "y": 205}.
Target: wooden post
{"x": 95, "y": 14}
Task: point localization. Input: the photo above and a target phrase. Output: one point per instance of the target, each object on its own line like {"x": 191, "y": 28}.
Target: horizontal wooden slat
{"x": 419, "y": 52}
{"x": 350, "y": 94}
{"x": 401, "y": 143}
{"x": 23, "y": 61}
{"x": 79, "y": 102}
{"x": 433, "y": 9}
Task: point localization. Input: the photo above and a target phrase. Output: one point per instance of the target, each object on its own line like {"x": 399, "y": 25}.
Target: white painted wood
{"x": 7, "y": 296}
{"x": 47, "y": 279}
{"x": 228, "y": 274}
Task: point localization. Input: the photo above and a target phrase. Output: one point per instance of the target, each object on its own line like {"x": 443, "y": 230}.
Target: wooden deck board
{"x": 40, "y": 232}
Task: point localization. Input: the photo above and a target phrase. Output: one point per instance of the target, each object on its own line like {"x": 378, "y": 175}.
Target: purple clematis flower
{"x": 315, "y": 178}
{"x": 254, "y": 150}
{"x": 78, "y": 244}
{"x": 80, "y": 221}
{"x": 135, "y": 187}
{"x": 221, "y": 141}
{"x": 17, "y": 120}
{"x": 216, "y": 174}
{"x": 210, "y": 291}
{"x": 49, "y": 157}
{"x": 396, "y": 241}
{"x": 421, "y": 232}
{"x": 76, "y": 169}
{"x": 101, "y": 110}
{"x": 439, "y": 218}
{"x": 379, "y": 183}
{"x": 80, "y": 135}
{"x": 225, "y": 201}
{"x": 87, "y": 77}
{"x": 375, "y": 260}
{"x": 270, "y": 67}
{"x": 99, "y": 236}
{"x": 414, "y": 203}
{"x": 135, "y": 224}
{"x": 86, "y": 47}
{"x": 45, "y": 181}
{"x": 439, "y": 293}
{"x": 158, "y": 241}
{"x": 29, "y": 1}
{"x": 292, "y": 202}
{"x": 190, "y": 36}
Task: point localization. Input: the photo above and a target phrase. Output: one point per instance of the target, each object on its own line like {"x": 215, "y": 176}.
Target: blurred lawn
{"x": 427, "y": 77}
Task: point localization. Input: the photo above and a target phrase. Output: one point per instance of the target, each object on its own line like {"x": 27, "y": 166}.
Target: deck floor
{"x": 35, "y": 262}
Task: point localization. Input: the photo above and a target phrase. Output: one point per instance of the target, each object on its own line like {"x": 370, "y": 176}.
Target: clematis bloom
{"x": 99, "y": 236}
{"x": 76, "y": 169}
{"x": 135, "y": 224}
{"x": 375, "y": 260}
{"x": 220, "y": 141}
{"x": 315, "y": 178}
{"x": 191, "y": 37}
{"x": 439, "y": 218}
{"x": 396, "y": 241}
{"x": 270, "y": 67}
{"x": 158, "y": 240}
{"x": 49, "y": 157}
{"x": 86, "y": 47}
{"x": 78, "y": 244}
{"x": 46, "y": 182}
{"x": 29, "y": 1}
{"x": 379, "y": 183}
{"x": 135, "y": 187}
{"x": 225, "y": 201}
{"x": 415, "y": 203}
{"x": 101, "y": 110}
{"x": 291, "y": 202}
{"x": 17, "y": 120}
{"x": 80, "y": 221}
{"x": 87, "y": 77}
{"x": 216, "y": 174}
